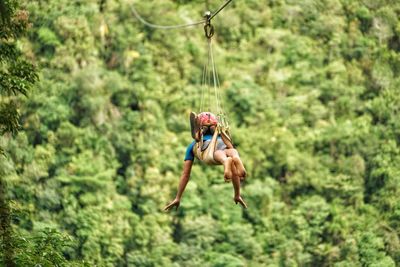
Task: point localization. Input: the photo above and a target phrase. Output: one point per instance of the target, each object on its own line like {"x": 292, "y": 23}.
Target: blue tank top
{"x": 189, "y": 151}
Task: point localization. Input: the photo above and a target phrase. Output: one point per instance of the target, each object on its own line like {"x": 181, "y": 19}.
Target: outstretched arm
{"x": 187, "y": 167}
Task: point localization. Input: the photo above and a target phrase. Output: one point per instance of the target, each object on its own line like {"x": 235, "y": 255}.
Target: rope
{"x": 209, "y": 79}
{"x": 203, "y": 82}
{"x": 220, "y": 104}
{"x": 178, "y": 26}
{"x": 214, "y": 74}
{"x": 222, "y": 109}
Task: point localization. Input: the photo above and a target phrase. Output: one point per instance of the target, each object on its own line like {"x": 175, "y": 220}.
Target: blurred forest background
{"x": 312, "y": 91}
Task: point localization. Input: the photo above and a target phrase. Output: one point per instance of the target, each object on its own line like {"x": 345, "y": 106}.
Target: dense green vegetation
{"x": 17, "y": 76}
{"x": 312, "y": 91}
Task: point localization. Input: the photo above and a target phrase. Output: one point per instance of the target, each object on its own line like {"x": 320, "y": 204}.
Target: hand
{"x": 175, "y": 203}
{"x": 241, "y": 201}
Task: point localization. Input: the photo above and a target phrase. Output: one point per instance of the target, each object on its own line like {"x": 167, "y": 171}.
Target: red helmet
{"x": 207, "y": 119}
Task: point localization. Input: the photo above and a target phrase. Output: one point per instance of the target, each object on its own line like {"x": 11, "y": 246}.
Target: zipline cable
{"x": 163, "y": 27}
{"x": 171, "y": 27}
{"x": 219, "y": 9}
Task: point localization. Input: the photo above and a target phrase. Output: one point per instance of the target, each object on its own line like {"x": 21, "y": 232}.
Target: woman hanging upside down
{"x": 203, "y": 127}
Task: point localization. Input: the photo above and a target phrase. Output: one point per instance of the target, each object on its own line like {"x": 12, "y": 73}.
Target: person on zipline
{"x": 204, "y": 125}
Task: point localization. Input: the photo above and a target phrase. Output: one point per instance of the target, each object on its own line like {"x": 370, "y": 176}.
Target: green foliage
{"x": 17, "y": 74}
{"x": 45, "y": 249}
{"x": 9, "y": 116}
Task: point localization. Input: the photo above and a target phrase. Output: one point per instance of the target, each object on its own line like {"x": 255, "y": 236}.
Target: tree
{"x": 17, "y": 75}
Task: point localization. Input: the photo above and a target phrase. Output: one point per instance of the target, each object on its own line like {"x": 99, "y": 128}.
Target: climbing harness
{"x": 211, "y": 101}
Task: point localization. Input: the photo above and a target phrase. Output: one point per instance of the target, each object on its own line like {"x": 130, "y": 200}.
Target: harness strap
{"x": 207, "y": 155}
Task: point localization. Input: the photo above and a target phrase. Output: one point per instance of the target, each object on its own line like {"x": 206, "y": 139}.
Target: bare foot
{"x": 241, "y": 171}
{"x": 241, "y": 201}
{"x": 228, "y": 169}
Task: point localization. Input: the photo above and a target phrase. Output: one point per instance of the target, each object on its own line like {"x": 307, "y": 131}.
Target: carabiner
{"x": 208, "y": 27}
{"x": 209, "y": 30}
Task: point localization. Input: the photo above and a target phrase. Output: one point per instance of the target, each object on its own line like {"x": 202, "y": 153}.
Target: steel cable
{"x": 178, "y": 26}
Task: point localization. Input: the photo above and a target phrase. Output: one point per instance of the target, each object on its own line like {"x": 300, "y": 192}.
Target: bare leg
{"x": 241, "y": 171}
{"x": 220, "y": 156}
{"x": 236, "y": 187}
